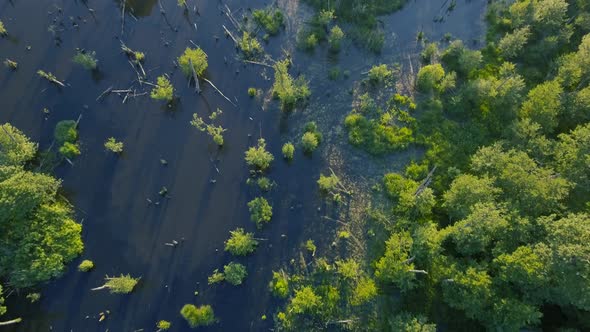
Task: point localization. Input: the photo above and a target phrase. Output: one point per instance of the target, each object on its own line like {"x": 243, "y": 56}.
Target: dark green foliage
{"x": 270, "y": 19}
{"x": 235, "y": 273}
{"x": 260, "y": 211}
{"x": 66, "y": 136}
{"x": 380, "y": 131}
{"x": 40, "y": 233}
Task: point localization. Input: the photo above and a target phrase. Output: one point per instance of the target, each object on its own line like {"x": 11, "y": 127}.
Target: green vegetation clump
{"x": 40, "y": 222}
{"x": 198, "y": 316}
{"x": 288, "y": 151}
{"x": 66, "y": 136}
{"x": 216, "y": 132}
{"x": 163, "y": 325}
{"x": 264, "y": 183}
{"x": 311, "y": 138}
{"x": 113, "y": 145}
{"x": 3, "y": 31}
{"x": 335, "y": 38}
{"x": 260, "y": 211}
{"x": 380, "y": 131}
{"x": 271, "y": 19}
{"x": 86, "y": 265}
{"x": 12, "y": 65}
{"x": 164, "y": 90}
{"x": 241, "y": 243}
{"x": 250, "y": 46}
{"x": 279, "y": 285}
{"x": 258, "y": 157}
{"x": 86, "y": 59}
{"x": 288, "y": 90}
{"x": 123, "y": 284}
{"x": 195, "y": 58}
{"x": 252, "y": 92}
{"x": 216, "y": 277}
{"x": 235, "y": 273}
{"x": 380, "y": 74}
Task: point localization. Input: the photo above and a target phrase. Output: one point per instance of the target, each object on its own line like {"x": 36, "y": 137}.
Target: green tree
{"x": 260, "y": 211}
{"x": 335, "y": 38}
{"x": 198, "y": 316}
{"x": 430, "y": 78}
{"x": 396, "y": 265}
{"x": 258, "y": 156}
{"x": 113, "y": 145}
{"x": 543, "y": 105}
{"x": 305, "y": 301}
{"x": 288, "y": 151}
{"x": 86, "y": 265}
{"x": 235, "y": 273}
{"x": 279, "y": 285}
{"x": 164, "y": 90}
{"x": 513, "y": 43}
{"x": 572, "y": 157}
{"x": 467, "y": 190}
{"x": 240, "y": 243}
{"x": 288, "y": 90}
{"x": 409, "y": 323}
{"x": 195, "y": 58}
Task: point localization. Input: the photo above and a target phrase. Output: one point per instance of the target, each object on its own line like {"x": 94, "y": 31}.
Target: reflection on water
{"x": 139, "y": 8}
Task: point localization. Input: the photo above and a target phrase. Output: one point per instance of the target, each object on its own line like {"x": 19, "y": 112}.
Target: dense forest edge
{"x": 488, "y": 230}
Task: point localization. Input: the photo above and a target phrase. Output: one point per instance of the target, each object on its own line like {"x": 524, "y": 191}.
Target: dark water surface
{"x": 122, "y": 232}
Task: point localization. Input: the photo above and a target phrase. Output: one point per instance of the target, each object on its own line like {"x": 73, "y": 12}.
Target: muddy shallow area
{"x": 207, "y": 187}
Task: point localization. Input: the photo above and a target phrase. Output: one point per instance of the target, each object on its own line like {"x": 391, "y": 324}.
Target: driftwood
{"x": 230, "y": 35}
{"x": 258, "y": 63}
{"x": 10, "y": 322}
{"x": 232, "y": 19}
{"x": 108, "y": 90}
{"x": 425, "y": 183}
{"x": 216, "y": 89}
{"x": 195, "y": 77}
{"x": 418, "y": 271}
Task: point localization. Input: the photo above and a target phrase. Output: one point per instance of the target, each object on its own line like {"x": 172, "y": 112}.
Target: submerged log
{"x": 12, "y": 321}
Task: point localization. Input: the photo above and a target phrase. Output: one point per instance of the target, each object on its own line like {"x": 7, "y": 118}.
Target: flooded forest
{"x": 294, "y": 165}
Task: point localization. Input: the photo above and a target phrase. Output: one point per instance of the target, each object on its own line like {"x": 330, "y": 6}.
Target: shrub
{"x": 310, "y": 246}
{"x": 252, "y": 92}
{"x": 279, "y": 285}
{"x": 197, "y": 57}
{"x": 198, "y": 316}
{"x": 240, "y": 243}
{"x": 310, "y": 42}
{"x": 286, "y": 89}
{"x": 86, "y": 59}
{"x": 380, "y": 74}
{"x": 309, "y": 142}
{"x": 69, "y": 150}
{"x": 260, "y": 211}
{"x": 164, "y": 90}
{"x": 112, "y": 145}
{"x": 65, "y": 131}
{"x": 250, "y": 46}
{"x": 288, "y": 151}
{"x": 270, "y": 19}
{"x": 335, "y": 38}
{"x": 235, "y": 273}
{"x": 163, "y": 325}
{"x": 258, "y": 157}
{"x": 216, "y": 277}
{"x": 85, "y": 266}
{"x": 430, "y": 77}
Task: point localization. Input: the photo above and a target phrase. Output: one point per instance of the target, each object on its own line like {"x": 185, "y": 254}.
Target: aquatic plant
{"x": 86, "y": 59}
{"x": 112, "y": 145}
{"x": 252, "y": 92}
{"x": 240, "y": 243}
{"x": 85, "y": 266}
{"x": 198, "y": 316}
{"x": 260, "y": 211}
{"x": 164, "y": 90}
{"x": 13, "y": 65}
{"x": 216, "y": 277}
{"x": 216, "y": 132}
{"x": 3, "y": 31}
{"x": 66, "y": 136}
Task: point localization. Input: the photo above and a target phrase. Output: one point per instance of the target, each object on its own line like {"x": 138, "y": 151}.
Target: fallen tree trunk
{"x": 216, "y": 89}
{"x": 10, "y": 322}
